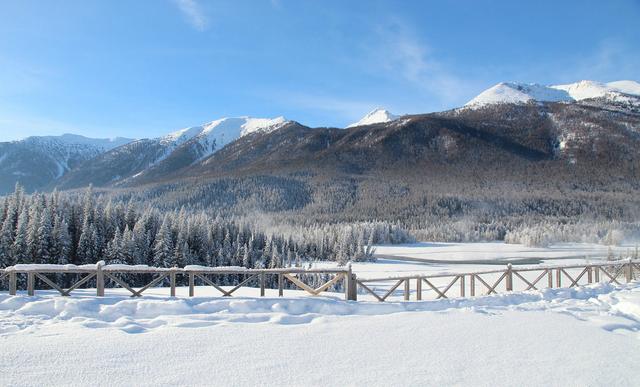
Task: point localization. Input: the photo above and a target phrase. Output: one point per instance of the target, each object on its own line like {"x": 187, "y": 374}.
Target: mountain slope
{"x": 36, "y": 162}
{"x": 485, "y": 142}
{"x": 149, "y": 159}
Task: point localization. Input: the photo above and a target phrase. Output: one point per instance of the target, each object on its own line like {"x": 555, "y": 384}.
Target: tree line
{"x": 60, "y": 228}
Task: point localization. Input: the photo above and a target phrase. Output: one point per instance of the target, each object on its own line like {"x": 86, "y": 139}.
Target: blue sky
{"x": 143, "y": 68}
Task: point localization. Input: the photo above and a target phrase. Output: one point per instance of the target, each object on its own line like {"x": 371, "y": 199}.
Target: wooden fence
{"x": 439, "y": 286}
{"x": 509, "y": 279}
{"x": 100, "y": 275}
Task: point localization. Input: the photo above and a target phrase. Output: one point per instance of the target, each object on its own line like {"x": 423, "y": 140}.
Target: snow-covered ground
{"x": 583, "y": 336}
{"x": 588, "y": 335}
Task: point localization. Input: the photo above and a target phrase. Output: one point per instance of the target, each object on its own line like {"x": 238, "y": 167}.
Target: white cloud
{"x": 398, "y": 52}
{"x": 193, "y": 13}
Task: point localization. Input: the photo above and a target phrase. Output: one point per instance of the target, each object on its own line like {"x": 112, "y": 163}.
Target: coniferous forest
{"x": 58, "y": 228}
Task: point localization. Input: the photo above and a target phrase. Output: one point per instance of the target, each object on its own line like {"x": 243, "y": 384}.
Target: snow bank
{"x": 149, "y": 313}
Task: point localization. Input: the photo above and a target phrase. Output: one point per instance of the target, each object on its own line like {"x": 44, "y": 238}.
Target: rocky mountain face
{"x": 36, "y": 162}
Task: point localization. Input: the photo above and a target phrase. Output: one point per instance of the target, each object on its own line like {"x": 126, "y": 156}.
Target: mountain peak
{"x": 376, "y": 116}
{"x": 225, "y": 129}
{"x": 515, "y": 92}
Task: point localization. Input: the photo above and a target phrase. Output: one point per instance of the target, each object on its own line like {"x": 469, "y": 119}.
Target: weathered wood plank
{"x": 407, "y": 290}
{"x": 53, "y": 285}
{"x": 81, "y": 282}
{"x": 211, "y": 283}
{"x": 172, "y": 284}
{"x": 365, "y": 287}
{"x": 432, "y": 286}
{"x": 300, "y": 284}
{"x": 117, "y": 280}
{"x": 238, "y": 286}
{"x": 31, "y": 284}
{"x": 329, "y": 283}
{"x": 393, "y": 288}
{"x": 13, "y": 284}
{"x": 192, "y": 288}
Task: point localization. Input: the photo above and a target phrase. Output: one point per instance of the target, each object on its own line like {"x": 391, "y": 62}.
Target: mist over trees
{"x": 520, "y": 205}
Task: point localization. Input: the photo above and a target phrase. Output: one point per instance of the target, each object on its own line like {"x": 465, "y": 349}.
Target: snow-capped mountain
{"x": 376, "y": 116}
{"x": 216, "y": 134}
{"x": 513, "y": 92}
{"x": 37, "y": 161}
{"x": 153, "y": 158}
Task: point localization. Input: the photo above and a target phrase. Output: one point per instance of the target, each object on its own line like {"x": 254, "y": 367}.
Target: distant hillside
{"x": 36, "y": 162}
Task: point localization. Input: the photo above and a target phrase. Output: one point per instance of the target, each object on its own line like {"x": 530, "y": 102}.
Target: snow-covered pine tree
{"x": 20, "y": 248}
{"x": 61, "y": 241}
{"x": 163, "y": 248}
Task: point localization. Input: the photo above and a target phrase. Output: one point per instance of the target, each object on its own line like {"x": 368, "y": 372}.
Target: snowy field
{"x": 581, "y": 336}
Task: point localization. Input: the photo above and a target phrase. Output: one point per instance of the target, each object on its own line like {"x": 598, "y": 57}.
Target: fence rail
{"x": 439, "y": 285}
{"x": 509, "y": 279}
{"x": 102, "y": 274}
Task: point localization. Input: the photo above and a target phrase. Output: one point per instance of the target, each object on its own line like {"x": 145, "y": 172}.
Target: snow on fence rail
{"x": 442, "y": 285}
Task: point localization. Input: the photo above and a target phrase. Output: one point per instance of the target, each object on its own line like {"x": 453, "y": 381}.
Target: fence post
{"x": 589, "y": 274}
{"x": 629, "y": 271}
{"x": 407, "y": 290}
{"x": 462, "y": 287}
{"x": 172, "y": 281}
{"x": 262, "y": 280}
{"x": 353, "y": 289}
{"x": 192, "y": 290}
{"x": 13, "y": 283}
{"x": 472, "y": 285}
{"x": 419, "y": 289}
{"x": 596, "y": 272}
{"x": 509, "y": 278}
{"x": 31, "y": 284}
{"x": 280, "y": 284}
{"x": 351, "y": 284}
{"x": 99, "y": 279}
{"x": 558, "y": 278}
{"x": 549, "y": 278}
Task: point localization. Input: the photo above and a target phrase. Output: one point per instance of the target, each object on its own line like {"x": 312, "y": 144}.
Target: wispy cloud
{"x": 193, "y": 13}
{"x": 398, "y": 52}
{"x": 610, "y": 61}
{"x": 342, "y": 108}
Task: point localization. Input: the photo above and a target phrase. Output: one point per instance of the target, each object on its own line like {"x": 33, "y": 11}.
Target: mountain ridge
{"x": 516, "y": 92}
{"x": 564, "y": 127}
